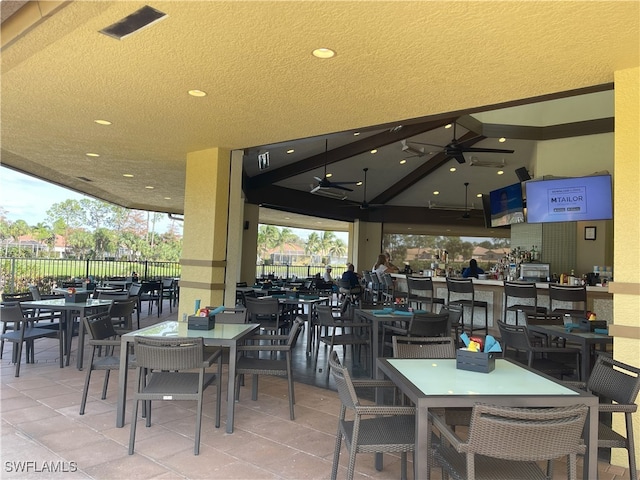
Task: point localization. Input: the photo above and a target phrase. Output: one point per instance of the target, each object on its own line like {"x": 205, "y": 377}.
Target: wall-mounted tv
{"x": 507, "y": 206}
{"x": 569, "y": 199}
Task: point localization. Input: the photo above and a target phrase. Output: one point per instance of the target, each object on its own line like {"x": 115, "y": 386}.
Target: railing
{"x": 16, "y": 274}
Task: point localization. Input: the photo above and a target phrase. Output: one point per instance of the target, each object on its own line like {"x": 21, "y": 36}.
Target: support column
{"x": 626, "y": 287}
{"x": 206, "y": 226}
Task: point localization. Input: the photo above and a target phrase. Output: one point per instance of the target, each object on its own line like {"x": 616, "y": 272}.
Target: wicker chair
{"x": 507, "y": 443}
{"x": 269, "y": 366}
{"x": 552, "y": 360}
{"x": 267, "y": 312}
{"x": 614, "y": 381}
{"x": 161, "y": 376}
{"x": 121, "y": 312}
{"x": 341, "y": 331}
{"x": 374, "y": 428}
{"x": 23, "y": 332}
{"x": 418, "y": 325}
{"x": 102, "y": 335}
{"x": 423, "y": 347}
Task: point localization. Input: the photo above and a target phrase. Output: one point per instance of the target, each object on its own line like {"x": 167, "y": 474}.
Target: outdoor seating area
{"x": 256, "y": 434}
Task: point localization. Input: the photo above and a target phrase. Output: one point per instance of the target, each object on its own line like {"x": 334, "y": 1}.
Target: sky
{"x": 27, "y": 198}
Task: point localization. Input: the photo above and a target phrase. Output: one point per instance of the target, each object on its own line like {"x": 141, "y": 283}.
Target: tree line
{"x": 94, "y": 230}
{"x": 318, "y": 244}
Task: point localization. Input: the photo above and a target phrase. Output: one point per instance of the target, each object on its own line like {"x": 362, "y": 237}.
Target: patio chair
{"x": 374, "y": 428}
{"x": 103, "y": 340}
{"x": 418, "y": 325}
{"x": 267, "y": 312}
{"x": 423, "y": 347}
{"x": 121, "y": 313}
{"x": 150, "y": 292}
{"x": 163, "y": 374}
{"x": 134, "y": 292}
{"x": 25, "y": 333}
{"x": 421, "y": 291}
{"x": 617, "y": 382}
{"x": 341, "y": 331}
{"x": 256, "y": 366}
{"x": 168, "y": 292}
{"x": 552, "y": 360}
{"x": 509, "y": 443}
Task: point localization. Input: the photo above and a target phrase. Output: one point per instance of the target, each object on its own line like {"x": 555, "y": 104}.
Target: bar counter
{"x": 599, "y": 300}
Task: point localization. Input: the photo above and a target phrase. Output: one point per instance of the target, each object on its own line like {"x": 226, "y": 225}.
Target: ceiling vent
{"x": 132, "y": 23}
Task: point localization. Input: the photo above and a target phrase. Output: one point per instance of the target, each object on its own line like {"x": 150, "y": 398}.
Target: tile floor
{"x": 41, "y": 425}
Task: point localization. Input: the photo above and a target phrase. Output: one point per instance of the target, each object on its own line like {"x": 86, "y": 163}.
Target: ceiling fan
{"x": 324, "y": 182}
{"x": 456, "y": 149}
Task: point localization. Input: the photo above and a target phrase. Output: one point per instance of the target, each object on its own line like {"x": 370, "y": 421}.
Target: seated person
{"x": 472, "y": 270}
{"x": 327, "y": 275}
{"x": 383, "y": 265}
{"x": 351, "y": 276}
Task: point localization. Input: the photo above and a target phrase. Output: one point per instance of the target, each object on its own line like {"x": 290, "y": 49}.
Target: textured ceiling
{"x": 395, "y": 61}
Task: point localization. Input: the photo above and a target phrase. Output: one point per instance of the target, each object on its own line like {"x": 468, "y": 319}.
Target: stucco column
{"x": 206, "y": 226}
{"x": 626, "y": 285}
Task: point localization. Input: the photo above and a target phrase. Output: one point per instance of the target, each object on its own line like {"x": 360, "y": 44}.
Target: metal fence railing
{"x": 16, "y": 274}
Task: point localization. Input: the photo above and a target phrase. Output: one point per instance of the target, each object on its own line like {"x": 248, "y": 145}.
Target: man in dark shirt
{"x": 351, "y": 276}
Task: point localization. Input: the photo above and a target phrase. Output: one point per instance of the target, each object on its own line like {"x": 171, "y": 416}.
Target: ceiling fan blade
{"x": 340, "y": 187}
{"x": 317, "y": 179}
{"x": 458, "y": 156}
{"x": 429, "y": 144}
{"x": 485, "y": 150}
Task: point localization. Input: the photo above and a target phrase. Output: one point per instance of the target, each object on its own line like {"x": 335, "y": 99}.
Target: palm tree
{"x": 313, "y": 245}
{"x": 284, "y": 236}
{"x": 338, "y": 248}
{"x": 267, "y": 235}
{"x": 327, "y": 239}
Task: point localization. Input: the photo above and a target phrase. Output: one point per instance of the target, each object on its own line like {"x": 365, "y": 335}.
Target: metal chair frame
{"x": 464, "y": 286}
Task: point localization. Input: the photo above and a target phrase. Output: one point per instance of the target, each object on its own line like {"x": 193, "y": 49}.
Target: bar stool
{"x": 421, "y": 292}
{"x": 574, "y": 294}
{"x": 464, "y": 286}
{"x": 522, "y": 291}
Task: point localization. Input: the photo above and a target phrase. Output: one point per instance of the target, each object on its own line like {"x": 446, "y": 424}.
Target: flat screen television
{"x": 569, "y": 199}
{"x": 506, "y": 205}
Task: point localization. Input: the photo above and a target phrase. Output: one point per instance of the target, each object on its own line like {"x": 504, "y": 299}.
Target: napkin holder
{"x": 591, "y": 325}
{"x": 201, "y": 323}
{"x": 75, "y": 297}
{"x": 483, "y": 362}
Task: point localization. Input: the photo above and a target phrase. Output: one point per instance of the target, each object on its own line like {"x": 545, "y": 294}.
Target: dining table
{"x": 222, "y": 335}
{"x": 70, "y": 310}
{"x": 587, "y": 340}
{"x": 378, "y": 318}
{"x": 438, "y": 383}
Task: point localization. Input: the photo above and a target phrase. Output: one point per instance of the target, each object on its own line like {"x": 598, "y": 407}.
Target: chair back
{"x": 232, "y": 315}
{"x": 614, "y": 380}
{"x": 344, "y": 384}
{"x": 99, "y": 326}
{"x": 12, "y": 313}
{"x": 325, "y": 315}
{"x": 10, "y": 298}
{"x": 455, "y": 314}
{"x": 134, "y": 289}
{"x": 423, "y": 347}
{"x": 176, "y": 353}
{"x": 568, "y": 293}
{"x": 104, "y": 295}
{"x": 168, "y": 283}
{"x": 460, "y": 285}
{"x": 122, "y": 307}
{"x": 421, "y": 286}
{"x": 520, "y": 290}
{"x": 262, "y": 306}
{"x": 294, "y": 332}
{"x": 526, "y": 434}
{"x": 514, "y": 336}
{"x": 35, "y": 292}
{"x": 430, "y": 325}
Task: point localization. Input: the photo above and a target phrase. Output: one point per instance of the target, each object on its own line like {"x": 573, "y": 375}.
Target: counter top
{"x": 500, "y": 283}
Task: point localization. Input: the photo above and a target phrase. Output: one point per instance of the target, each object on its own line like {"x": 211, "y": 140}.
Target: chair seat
{"x": 391, "y": 434}
{"x": 487, "y": 468}
{"x": 31, "y": 333}
{"x": 261, "y": 366}
{"x": 162, "y": 385}
{"x": 609, "y": 438}
{"x": 111, "y": 362}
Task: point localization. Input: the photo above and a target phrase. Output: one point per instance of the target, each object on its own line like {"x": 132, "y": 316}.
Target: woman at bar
{"x": 472, "y": 270}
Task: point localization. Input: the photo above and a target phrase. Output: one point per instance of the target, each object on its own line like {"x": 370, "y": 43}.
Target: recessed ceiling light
{"x": 149, "y": 187}
{"x": 318, "y": 221}
{"x": 502, "y": 139}
{"x": 287, "y": 218}
{"x": 403, "y": 161}
{"x": 291, "y": 150}
{"x": 436, "y": 192}
{"x": 479, "y": 195}
{"x": 167, "y": 198}
{"x": 329, "y": 175}
{"x": 102, "y": 122}
{"x": 375, "y": 150}
{"x": 408, "y": 228}
{"x": 197, "y": 93}
{"x": 448, "y": 125}
{"x": 358, "y": 184}
{"x": 355, "y": 134}
{"x": 128, "y": 175}
{"x": 452, "y": 169}
{"x": 323, "y": 53}
{"x": 92, "y": 154}
{"x": 500, "y": 172}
